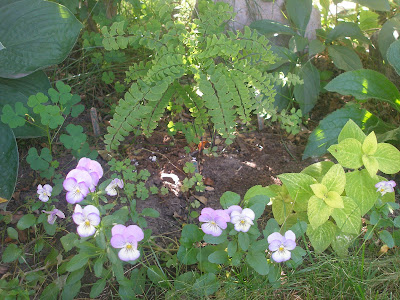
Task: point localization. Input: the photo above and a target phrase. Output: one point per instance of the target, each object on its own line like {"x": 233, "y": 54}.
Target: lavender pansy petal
{"x": 43, "y": 198}
{"x": 95, "y": 178}
{"x": 274, "y": 245}
{"x": 85, "y": 231}
{"x": 223, "y": 214}
{"x": 81, "y": 176}
{"x": 221, "y": 222}
{"x": 392, "y": 183}
{"x": 275, "y": 236}
{"x": 118, "y": 229}
{"x": 69, "y": 184}
{"x": 117, "y": 241}
{"x": 207, "y": 211}
{"x": 205, "y": 218}
{"x": 91, "y": 209}
{"x": 289, "y": 235}
{"x": 51, "y": 219}
{"x": 78, "y": 218}
{"x": 48, "y": 188}
{"x": 60, "y": 214}
{"x": 232, "y": 208}
{"x": 136, "y": 231}
{"x": 281, "y": 256}
{"x": 73, "y": 197}
{"x": 211, "y": 229}
{"x": 94, "y": 219}
{"x": 235, "y": 219}
{"x": 131, "y": 240}
{"x": 120, "y": 183}
{"x": 128, "y": 254}
{"x": 289, "y": 244}
{"x": 249, "y": 213}
{"x": 78, "y": 209}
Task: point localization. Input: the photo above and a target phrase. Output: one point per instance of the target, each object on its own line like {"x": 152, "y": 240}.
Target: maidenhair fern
{"x": 197, "y": 67}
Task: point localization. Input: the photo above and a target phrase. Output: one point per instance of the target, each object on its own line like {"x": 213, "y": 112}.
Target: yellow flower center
{"x": 281, "y": 248}
{"x": 87, "y": 223}
{"x": 213, "y": 223}
{"x": 242, "y": 222}
{"x": 129, "y": 247}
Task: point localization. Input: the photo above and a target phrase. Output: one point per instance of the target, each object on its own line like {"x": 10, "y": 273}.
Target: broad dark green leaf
{"x": 307, "y": 94}
{"x": 346, "y": 29}
{"x": 379, "y": 5}
{"x": 11, "y": 253}
{"x": 366, "y": 84}
{"x": 8, "y": 162}
{"x": 386, "y": 35}
{"x": 206, "y": 285}
{"x": 43, "y": 33}
{"x": 299, "y": 12}
{"x": 19, "y": 90}
{"x": 270, "y": 28}
{"x": 393, "y": 55}
{"x": 258, "y": 261}
{"x": 344, "y": 58}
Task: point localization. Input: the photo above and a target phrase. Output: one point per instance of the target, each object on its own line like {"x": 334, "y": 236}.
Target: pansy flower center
{"x": 213, "y": 223}
{"x": 281, "y": 248}
{"x": 129, "y": 247}
{"x": 242, "y": 221}
{"x": 87, "y": 223}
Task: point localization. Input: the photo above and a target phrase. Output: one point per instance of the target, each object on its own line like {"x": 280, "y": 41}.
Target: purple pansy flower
{"x": 281, "y": 245}
{"x": 126, "y": 239}
{"x": 242, "y": 220}
{"x": 53, "y": 214}
{"x": 86, "y": 219}
{"x": 44, "y": 192}
{"x": 76, "y": 191}
{"x": 81, "y": 175}
{"x": 111, "y": 189}
{"x": 214, "y": 221}
{"x": 232, "y": 208}
{"x": 92, "y": 167}
{"x": 385, "y": 187}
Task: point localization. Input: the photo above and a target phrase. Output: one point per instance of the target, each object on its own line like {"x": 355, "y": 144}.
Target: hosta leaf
{"x": 322, "y": 236}
{"x": 8, "y": 162}
{"x": 43, "y": 33}
{"x": 348, "y": 218}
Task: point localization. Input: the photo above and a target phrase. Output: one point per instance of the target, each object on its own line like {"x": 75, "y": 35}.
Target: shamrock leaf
{"x": 39, "y": 162}
{"x": 51, "y": 116}
{"x": 75, "y": 139}
{"x": 70, "y": 106}
{"x": 108, "y": 77}
{"x": 35, "y": 101}
{"x": 14, "y": 119}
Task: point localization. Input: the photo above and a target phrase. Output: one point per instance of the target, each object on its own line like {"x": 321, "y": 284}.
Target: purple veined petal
{"x": 289, "y": 235}
{"x": 275, "y": 236}
{"x": 73, "y": 197}
{"x": 118, "y": 229}
{"x": 51, "y": 219}
{"x": 117, "y": 241}
{"x": 70, "y": 184}
{"x": 126, "y": 254}
{"x": 91, "y": 209}
{"x": 59, "y": 214}
{"x": 209, "y": 228}
{"x": 43, "y": 198}
{"x": 249, "y": 213}
{"x": 48, "y": 188}
{"x": 86, "y": 230}
{"x": 392, "y": 183}
{"x": 94, "y": 219}
{"x": 82, "y": 176}
{"x": 244, "y": 227}
{"x": 232, "y": 208}
{"x": 206, "y": 218}
{"x": 83, "y": 188}
{"x": 78, "y": 209}
{"x": 223, "y": 215}
{"x": 235, "y": 219}
{"x": 281, "y": 256}
{"x": 221, "y": 221}
{"x": 111, "y": 190}
{"x": 135, "y": 231}
{"x": 95, "y": 178}
{"x": 39, "y": 188}
{"x": 78, "y": 218}
{"x": 120, "y": 183}
{"x": 380, "y": 184}
{"x": 131, "y": 240}
{"x": 91, "y": 166}
{"x": 289, "y": 244}
{"x": 274, "y": 245}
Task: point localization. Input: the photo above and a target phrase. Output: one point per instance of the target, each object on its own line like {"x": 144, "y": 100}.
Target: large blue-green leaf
{"x": 35, "y": 34}
{"x": 299, "y": 12}
{"x": 366, "y": 84}
{"x": 8, "y": 162}
{"x": 327, "y": 132}
{"x": 344, "y": 58}
{"x": 307, "y": 94}
{"x": 19, "y": 90}
{"x": 346, "y": 29}
{"x": 393, "y": 55}
{"x": 270, "y": 28}
{"x": 379, "y": 5}
{"x": 387, "y": 34}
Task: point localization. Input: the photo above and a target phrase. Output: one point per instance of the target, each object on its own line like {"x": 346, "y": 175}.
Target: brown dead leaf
{"x": 202, "y": 199}
{"x": 209, "y": 188}
{"x": 208, "y": 181}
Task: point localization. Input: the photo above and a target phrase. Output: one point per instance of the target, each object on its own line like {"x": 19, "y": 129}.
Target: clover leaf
{"x": 35, "y": 101}
{"x": 75, "y": 138}
{"x": 51, "y": 116}
{"x": 37, "y": 162}
{"x": 13, "y": 118}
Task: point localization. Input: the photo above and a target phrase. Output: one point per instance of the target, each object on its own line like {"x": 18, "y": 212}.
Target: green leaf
{"x": 318, "y": 170}
{"x": 318, "y": 211}
{"x": 258, "y": 261}
{"x": 387, "y": 35}
{"x": 333, "y": 199}
{"x": 341, "y": 243}
{"x": 244, "y": 241}
{"x": 379, "y": 5}
{"x": 348, "y": 218}
{"x": 319, "y": 190}
{"x": 315, "y": 47}
{"x": 8, "y": 162}
{"x": 387, "y": 238}
{"x": 187, "y": 255}
{"x": 13, "y": 118}
{"x": 370, "y": 143}
{"x": 27, "y": 48}
{"x": 218, "y": 257}
{"x": 351, "y": 130}
{"x": 393, "y": 54}
{"x": 19, "y": 90}
{"x": 26, "y": 221}
{"x": 307, "y": 94}
{"x": 388, "y": 158}
{"x": 191, "y": 234}
{"x": 11, "y": 253}
{"x": 335, "y": 179}
{"x": 150, "y": 212}
{"x": 228, "y": 199}
{"x": 371, "y": 164}
{"x": 368, "y": 20}
{"x": 206, "y": 285}
{"x": 157, "y": 276}
{"x": 75, "y": 138}
{"x": 68, "y": 241}
{"x": 366, "y": 84}
{"x": 50, "y": 292}
{"x": 185, "y": 280}
{"x": 299, "y": 188}
{"x": 322, "y": 236}
{"x": 269, "y": 28}
{"x": 215, "y": 240}
{"x": 348, "y": 153}
{"x": 39, "y": 163}
{"x": 344, "y": 58}
{"x": 257, "y": 190}
{"x": 77, "y": 262}
{"x": 299, "y": 12}
{"x": 98, "y": 287}
{"x": 280, "y": 208}
{"x": 12, "y": 233}
{"x": 361, "y": 188}
{"x": 346, "y": 29}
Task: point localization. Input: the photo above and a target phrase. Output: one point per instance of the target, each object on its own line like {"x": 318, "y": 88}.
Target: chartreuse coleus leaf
{"x": 354, "y": 152}
{"x": 348, "y": 219}
{"x": 322, "y": 236}
{"x": 282, "y": 203}
{"x": 351, "y": 130}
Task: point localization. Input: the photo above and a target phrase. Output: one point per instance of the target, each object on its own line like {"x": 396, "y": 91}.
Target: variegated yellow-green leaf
{"x": 351, "y": 130}
{"x": 281, "y": 209}
{"x": 293, "y": 219}
{"x": 319, "y": 190}
{"x": 335, "y": 179}
{"x": 322, "y": 236}
{"x": 341, "y": 243}
{"x": 348, "y": 153}
{"x": 388, "y": 158}
{"x": 334, "y": 200}
{"x": 299, "y": 189}
{"x": 348, "y": 218}
{"x": 361, "y": 188}
{"x": 318, "y": 211}
{"x": 318, "y": 170}
{"x": 370, "y": 144}
{"x": 371, "y": 164}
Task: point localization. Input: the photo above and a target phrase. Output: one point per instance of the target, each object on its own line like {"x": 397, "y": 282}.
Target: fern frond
{"x": 137, "y": 71}
{"x": 169, "y": 68}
